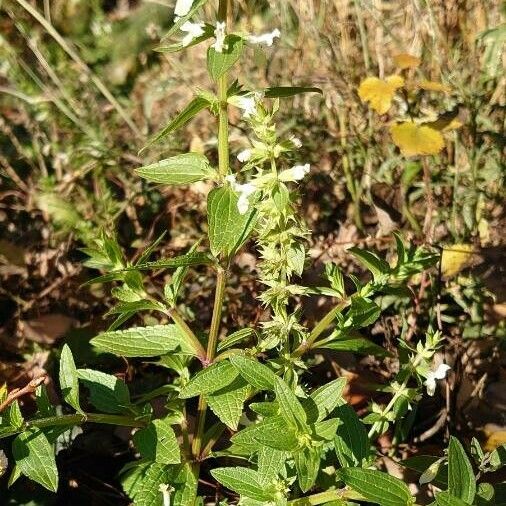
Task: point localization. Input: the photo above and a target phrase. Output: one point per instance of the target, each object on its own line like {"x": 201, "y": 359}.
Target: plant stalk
{"x": 76, "y": 419}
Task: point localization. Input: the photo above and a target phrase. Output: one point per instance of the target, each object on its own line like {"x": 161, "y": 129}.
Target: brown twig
{"x": 19, "y": 392}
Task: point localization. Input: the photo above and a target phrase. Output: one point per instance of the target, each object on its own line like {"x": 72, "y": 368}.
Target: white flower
{"x": 165, "y": 490}
{"x": 244, "y": 191}
{"x": 182, "y": 8}
{"x": 193, "y": 30}
{"x": 299, "y": 171}
{"x": 244, "y": 155}
{"x": 432, "y": 376}
{"x": 219, "y": 33}
{"x": 249, "y": 105}
{"x": 264, "y": 38}
{"x": 296, "y": 141}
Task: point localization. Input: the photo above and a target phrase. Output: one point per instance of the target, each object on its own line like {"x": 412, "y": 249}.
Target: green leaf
{"x": 291, "y": 409}
{"x": 68, "y": 379}
{"x": 208, "y": 380}
{"x": 148, "y": 493}
{"x": 324, "y": 400}
{"x": 375, "y": 264}
{"x": 363, "y": 312}
{"x": 235, "y": 338}
{"x": 144, "y": 341}
{"x": 219, "y": 63}
{"x": 227, "y": 403}
{"x": 497, "y": 457}
{"x": 243, "y": 481}
{"x": 351, "y": 442}
{"x": 255, "y": 373}
{"x": 191, "y": 110}
{"x": 158, "y": 442}
{"x": 376, "y": 486}
{"x": 228, "y": 229}
{"x": 461, "y": 479}
{"x": 421, "y": 463}
{"x": 358, "y": 345}
{"x": 177, "y": 170}
{"x": 192, "y": 258}
{"x": 35, "y": 458}
{"x": 107, "y": 393}
{"x": 289, "y": 91}
{"x": 326, "y": 429}
{"x": 271, "y": 462}
{"x": 446, "y": 499}
{"x": 307, "y": 464}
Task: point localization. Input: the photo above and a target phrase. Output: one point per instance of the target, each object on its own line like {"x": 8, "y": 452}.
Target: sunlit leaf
{"x": 413, "y": 139}
{"x": 455, "y": 258}
{"x": 379, "y": 93}
{"x": 406, "y": 61}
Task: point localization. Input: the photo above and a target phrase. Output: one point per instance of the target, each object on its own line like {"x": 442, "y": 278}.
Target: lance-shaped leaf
{"x": 377, "y": 487}
{"x": 177, "y": 170}
{"x": 68, "y": 379}
{"x": 107, "y": 393}
{"x": 289, "y": 91}
{"x": 34, "y": 457}
{"x": 210, "y": 379}
{"x": 144, "y": 341}
{"x": 191, "y": 110}
{"x": 307, "y": 464}
{"x": 461, "y": 479}
{"x": 324, "y": 400}
{"x": 290, "y": 407}
{"x": 228, "y": 229}
{"x": 228, "y": 402}
{"x": 244, "y": 481}
{"x": 374, "y": 263}
{"x": 255, "y": 373}
{"x": 218, "y": 63}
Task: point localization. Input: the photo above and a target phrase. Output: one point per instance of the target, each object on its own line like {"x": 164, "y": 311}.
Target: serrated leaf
{"x": 68, "y": 379}
{"x": 177, "y": 170}
{"x": 351, "y": 442}
{"x": 144, "y": 341}
{"x": 376, "y": 486}
{"x": 35, "y": 458}
{"x": 107, "y": 393}
{"x": 255, "y": 373}
{"x": 219, "y": 63}
{"x": 290, "y": 407}
{"x": 227, "y": 403}
{"x": 243, "y": 481}
{"x": 363, "y": 312}
{"x": 413, "y": 139}
{"x": 461, "y": 479}
{"x": 324, "y": 400}
{"x": 228, "y": 229}
{"x": 406, "y": 61}
{"x": 379, "y": 93}
{"x": 158, "y": 442}
{"x": 191, "y": 110}
{"x": 208, "y": 380}
{"x": 148, "y": 493}
{"x": 289, "y": 91}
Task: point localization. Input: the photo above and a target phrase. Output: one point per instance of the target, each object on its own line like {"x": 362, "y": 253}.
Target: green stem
{"x": 192, "y": 338}
{"x": 222, "y": 84}
{"x": 76, "y": 419}
{"x": 320, "y": 327}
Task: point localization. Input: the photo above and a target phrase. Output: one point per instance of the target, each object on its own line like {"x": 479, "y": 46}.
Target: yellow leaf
{"x": 413, "y": 139}
{"x": 380, "y": 92}
{"x": 434, "y": 86}
{"x": 455, "y": 258}
{"x": 407, "y": 61}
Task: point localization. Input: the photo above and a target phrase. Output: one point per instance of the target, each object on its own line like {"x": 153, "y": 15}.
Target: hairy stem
{"x": 76, "y": 419}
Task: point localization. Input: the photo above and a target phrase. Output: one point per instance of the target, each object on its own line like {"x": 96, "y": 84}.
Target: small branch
{"x": 192, "y": 338}
{"x": 19, "y": 392}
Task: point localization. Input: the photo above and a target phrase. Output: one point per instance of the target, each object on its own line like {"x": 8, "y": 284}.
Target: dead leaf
{"x": 407, "y": 61}
{"x": 413, "y": 139}
{"x": 379, "y": 93}
{"x": 433, "y": 86}
{"x": 456, "y": 258}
